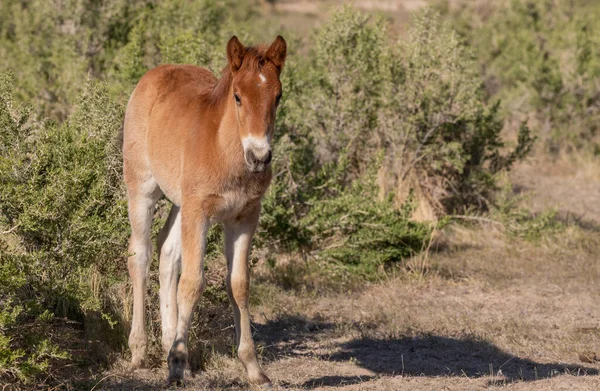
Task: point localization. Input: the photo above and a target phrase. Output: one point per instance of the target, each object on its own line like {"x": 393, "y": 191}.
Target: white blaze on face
{"x": 262, "y": 78}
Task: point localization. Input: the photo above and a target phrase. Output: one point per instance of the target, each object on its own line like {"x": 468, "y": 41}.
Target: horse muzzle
{"x": 258, "y": 160}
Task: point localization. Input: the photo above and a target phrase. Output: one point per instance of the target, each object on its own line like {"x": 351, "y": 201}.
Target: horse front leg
{"x": 194, "y": 226}
{"x": 238, "y": 239}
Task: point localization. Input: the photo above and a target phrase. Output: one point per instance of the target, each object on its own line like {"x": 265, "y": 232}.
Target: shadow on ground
{"x": 442, "y": 356}
{"x": 424, "y": 355}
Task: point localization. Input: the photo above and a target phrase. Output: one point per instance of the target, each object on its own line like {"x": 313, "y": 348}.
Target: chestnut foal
{"x": 205, "y": 144}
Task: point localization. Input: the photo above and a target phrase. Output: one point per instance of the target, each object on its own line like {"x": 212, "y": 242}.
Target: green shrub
{"x": 542, "y": 58}
{"x": 416, "y": 108}
{"x": 419, "y": 100}
{"x": 53, "y": 46}
{"x": 62, "y": 202}
{"x": 440, "y": 135}
{"x": 357, "y": 233}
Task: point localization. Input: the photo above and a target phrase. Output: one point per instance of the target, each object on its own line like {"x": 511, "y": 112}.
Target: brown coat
{"x": 205, "y": 144}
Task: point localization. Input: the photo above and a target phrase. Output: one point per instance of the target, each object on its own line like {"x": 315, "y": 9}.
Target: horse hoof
{"x": 176, "y": 360}
{"x": 175, "y": 378}
{"x": 175, "y": 381}
{"x": 263, "y": 382}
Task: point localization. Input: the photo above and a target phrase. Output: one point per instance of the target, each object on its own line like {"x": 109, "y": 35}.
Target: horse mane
{"x": 254, "y": 60}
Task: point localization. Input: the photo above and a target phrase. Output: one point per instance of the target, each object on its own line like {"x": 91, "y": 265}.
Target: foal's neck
{"x": 228, "y": 140}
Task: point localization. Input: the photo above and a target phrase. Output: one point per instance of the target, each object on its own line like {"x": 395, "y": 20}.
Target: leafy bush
{"x": 361, "y": 112}
{"x": 418, "y": 100}
{"x": 53, "y": 46}
{"x": 441, "y": 137}
{"x": 542, "y": 58}
{"x": 61, "y": 200}
{"x": 62, "y": 204}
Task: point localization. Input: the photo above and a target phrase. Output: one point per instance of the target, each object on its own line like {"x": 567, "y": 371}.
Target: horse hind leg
{"x": 169, "y": 247}
{"x": 141, "y": 199}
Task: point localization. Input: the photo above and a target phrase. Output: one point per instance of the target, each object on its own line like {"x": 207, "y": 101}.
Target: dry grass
{"x": 569, "y": 184}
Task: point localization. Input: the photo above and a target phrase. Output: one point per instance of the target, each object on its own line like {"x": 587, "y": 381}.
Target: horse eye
{"x": 278, "y": 98}
{"x": 237, "y": 99}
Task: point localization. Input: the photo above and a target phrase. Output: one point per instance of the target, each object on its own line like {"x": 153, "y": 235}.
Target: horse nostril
{"x": 269, "y": 157}
{"x": 250, "y": 158}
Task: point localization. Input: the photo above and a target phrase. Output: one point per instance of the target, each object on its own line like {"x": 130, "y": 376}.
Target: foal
{"x": 205, "y": 144}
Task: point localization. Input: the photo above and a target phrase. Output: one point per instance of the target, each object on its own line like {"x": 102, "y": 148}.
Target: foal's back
{"x": 167, "y": 103}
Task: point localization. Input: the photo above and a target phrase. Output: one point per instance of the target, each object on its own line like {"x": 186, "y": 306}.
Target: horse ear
{"x": 277, "y": 52}
{"x": 235, "y": 53}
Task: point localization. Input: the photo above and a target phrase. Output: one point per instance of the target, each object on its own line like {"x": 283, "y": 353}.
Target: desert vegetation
{"x": 400, "y": 158}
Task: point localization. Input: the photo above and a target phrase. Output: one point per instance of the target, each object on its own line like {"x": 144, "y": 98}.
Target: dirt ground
{"x": 487, "y": 312}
